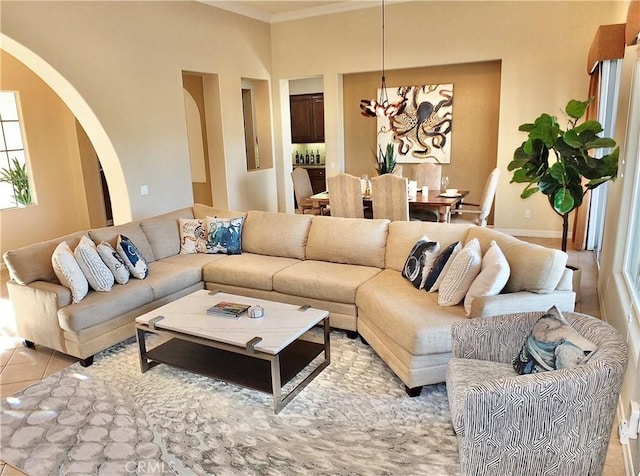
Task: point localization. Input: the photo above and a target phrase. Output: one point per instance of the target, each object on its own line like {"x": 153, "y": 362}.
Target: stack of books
{"x": 228, "y": 309}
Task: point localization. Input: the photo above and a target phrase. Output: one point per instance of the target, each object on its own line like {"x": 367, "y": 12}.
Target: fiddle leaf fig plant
{"x": 386, "y": 161}
{"x": 558, "y": 163}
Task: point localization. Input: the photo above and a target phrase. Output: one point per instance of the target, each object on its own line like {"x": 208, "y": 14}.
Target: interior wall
{"x": 543, "y": 47}
{"x": 91, "y": 178}
{"x": 54, "y": 162}
{"x": 125, "y": 59}
{"x": 474, "y": 132}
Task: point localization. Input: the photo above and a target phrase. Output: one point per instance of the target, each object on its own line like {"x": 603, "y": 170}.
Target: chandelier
{"x": 382, "y": 107}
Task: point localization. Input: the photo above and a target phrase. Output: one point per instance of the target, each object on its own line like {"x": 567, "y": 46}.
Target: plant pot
{"x": 577, "y": 275}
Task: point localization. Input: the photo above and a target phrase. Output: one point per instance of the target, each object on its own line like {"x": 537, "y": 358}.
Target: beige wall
{"x": 543, "y": 47}
{"x": 54, "y": 161}
{"x": 122, "y": 63}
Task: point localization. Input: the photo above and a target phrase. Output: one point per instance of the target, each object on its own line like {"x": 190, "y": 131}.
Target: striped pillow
{"x": 98, "y": 274}
{"x": 463, "y": 270}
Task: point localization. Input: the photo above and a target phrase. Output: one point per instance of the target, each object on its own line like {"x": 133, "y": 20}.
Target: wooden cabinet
{"x": 307, "y": 118}
{"x": 317, "y": 177}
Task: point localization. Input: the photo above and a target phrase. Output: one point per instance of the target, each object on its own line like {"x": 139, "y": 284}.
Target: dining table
{"x": 435, "y": 199}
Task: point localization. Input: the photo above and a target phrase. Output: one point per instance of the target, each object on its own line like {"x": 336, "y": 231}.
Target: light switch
{"x": 144, "y": 190}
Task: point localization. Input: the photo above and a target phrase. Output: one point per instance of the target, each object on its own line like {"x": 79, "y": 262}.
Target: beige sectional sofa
{"x": 351, "y": 267}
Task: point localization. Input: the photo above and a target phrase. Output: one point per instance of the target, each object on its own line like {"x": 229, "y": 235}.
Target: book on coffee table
{"x": 228, "y": 309}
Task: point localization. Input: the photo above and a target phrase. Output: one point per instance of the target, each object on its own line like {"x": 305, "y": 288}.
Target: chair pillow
{"x": 133, "y": 259}
{"x": 463, "y": 270}
{"x": 98, "y": 275}
{"x": 224, "y": 235}
{"x": 440, "y": 266}
{"x": 420, "y": 261}
{"x": 494, "y": 274}
{"x": 68, "y": 272}
{"x": 193, "y": 236}
{"x": 113, "y": 261}
{"x": 553, "y": 344}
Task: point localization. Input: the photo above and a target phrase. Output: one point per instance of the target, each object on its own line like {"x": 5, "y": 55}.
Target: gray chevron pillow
{"x": 553, "y": 344}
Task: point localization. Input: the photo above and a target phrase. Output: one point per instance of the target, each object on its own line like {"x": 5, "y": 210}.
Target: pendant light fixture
{"x": 382, "y": 107}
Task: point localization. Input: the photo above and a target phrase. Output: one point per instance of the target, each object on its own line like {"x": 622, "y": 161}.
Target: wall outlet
{"x": 623, "y": 432}
{"x": 527, "y": 213}
{"x": 634, "y": 420}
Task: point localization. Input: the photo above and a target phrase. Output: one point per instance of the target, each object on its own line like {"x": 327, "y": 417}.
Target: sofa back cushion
{"x": 404, "y": 234}
{"x": 276, "y": 234}
{"x": 203, "y": 211}
{"x": 534, "y": 268}
{"x": 33, "y": 262}
{"x": 163, "y": 232}
{"x": 131, "y": 230}
{"x": 348, "y": 240}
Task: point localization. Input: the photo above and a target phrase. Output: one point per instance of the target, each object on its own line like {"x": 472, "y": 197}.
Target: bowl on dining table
{"x": 451, "y": 192}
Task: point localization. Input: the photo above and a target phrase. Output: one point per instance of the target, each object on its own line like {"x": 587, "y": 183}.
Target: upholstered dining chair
{"x": 427, "y": 174}
{"x": 551, "y": 422}
{"x": 397, "y": 170}
{"x": 345, "y": 196}
{"x": 478, "y": 213}
{"x": 389, "y": 197}
{"x": 302, "y": 189}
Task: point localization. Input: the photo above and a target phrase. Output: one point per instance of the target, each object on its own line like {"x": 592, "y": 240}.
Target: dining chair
{"x": 478, "y": 213}
{"x": 427, "y": 174}
{"x": 397, "y": 170}
{"x": 345, "y": 196}
{"x": 389, "y": 197}
{"x": 303, "y": 190}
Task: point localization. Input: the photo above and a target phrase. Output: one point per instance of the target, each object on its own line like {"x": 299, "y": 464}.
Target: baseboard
{"x": 532, "y": 233}
{"x": 626, "y": 449}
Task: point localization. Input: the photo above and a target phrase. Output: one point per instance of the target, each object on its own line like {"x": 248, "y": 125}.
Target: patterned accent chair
{"x": 554, "y": 422}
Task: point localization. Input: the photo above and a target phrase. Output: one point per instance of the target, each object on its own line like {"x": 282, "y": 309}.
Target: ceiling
{"x": 277, "y": 11}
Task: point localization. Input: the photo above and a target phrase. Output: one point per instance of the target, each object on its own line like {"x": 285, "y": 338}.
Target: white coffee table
{"x": 263, "y": 354}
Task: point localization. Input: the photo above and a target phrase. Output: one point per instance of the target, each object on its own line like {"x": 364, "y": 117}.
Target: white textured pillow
{"x": 493, "y": 276}
{"x": 113, "y": 261}
{"x": 193, "y": 235}
{"x": 68, "y": 272}
{"x": 95, "y": 270}
{"x": 463, "y": 270}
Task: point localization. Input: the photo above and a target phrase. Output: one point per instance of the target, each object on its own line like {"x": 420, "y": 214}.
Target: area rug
{"x": 111, "y": 419}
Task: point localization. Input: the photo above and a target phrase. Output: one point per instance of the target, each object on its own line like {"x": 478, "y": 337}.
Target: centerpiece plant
{"x": 558, "y": 163}
{"x": 386, "y": 161}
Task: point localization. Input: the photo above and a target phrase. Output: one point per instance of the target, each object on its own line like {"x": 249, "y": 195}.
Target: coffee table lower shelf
{"x": 239, "y": 369}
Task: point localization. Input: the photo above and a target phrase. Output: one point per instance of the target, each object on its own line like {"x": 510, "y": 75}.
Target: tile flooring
{"x": 21, "y": 367}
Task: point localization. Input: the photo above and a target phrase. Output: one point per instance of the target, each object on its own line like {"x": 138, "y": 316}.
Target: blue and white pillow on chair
{"x": 133, "y": 259}
{"x": 224, "y": 235}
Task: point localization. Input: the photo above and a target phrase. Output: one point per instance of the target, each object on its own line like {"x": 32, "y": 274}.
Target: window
{"x": 15, "y": 190}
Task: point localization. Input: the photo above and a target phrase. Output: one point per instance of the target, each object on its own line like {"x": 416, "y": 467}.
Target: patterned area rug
{"x": 110, "y": 419}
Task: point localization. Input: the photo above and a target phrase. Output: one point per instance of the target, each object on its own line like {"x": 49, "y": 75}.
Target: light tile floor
{"x": 21, "y": 367}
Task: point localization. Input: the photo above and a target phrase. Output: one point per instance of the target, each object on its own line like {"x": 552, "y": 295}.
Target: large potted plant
{"x": 558, "y": 163}
{"x": 16, "y": 175}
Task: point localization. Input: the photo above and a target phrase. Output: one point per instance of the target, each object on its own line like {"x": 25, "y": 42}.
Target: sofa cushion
{"x": 197, "y": 260}
{"x": 349, "y": 240}
{"x": 276, "y": 234}
{"x": 33, "y": 262}
{"x": 97, "y": 308}
{"x": 133, "y": 259}
{"x": 166, "y": 278}
{"x": 462, "y": 375}
{"x": 132, "y": 230}
{"x": 162, "y": 232}
{"x": 460, "y": 275}
{"x": 98, "y": 274}
{"x": 409, "y": 317}
{"x": 403, "y": 235}
{"x": 68, "y": 271}
{"x": 323, "y": 280}
{"x": 246, "y": 270}
{"x": 203, "y": 211}
{"x": 114, "y": 262}
{"x": 494, "y": 274}
{"x": 534, "y": 268}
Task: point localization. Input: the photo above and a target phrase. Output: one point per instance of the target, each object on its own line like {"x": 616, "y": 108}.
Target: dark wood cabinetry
{"x": 307, "y": 118}
{"x": 317, "y": 177}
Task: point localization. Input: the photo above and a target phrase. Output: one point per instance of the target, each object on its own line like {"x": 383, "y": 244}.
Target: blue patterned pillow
{"x": 133, "y": 259}
{"x": 224, "y": 235}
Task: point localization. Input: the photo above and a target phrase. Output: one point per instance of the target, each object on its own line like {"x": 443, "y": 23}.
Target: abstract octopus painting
{"x": 422, "y": 132}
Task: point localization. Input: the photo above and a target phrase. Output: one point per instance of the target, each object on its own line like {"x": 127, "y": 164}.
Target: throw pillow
{"x": 224, "y": 235}
{"x": 113, "y": 261}
{"x": 68, "y": 272}
{"x": 420, "y": 261}
{"x": 494, "y": 274}
{"x": 553, "y": 344}
{"x": 193, "y": 236}
{"x": 440, "y": 266}
{"x": 98, "y": 275}
{"x": 463, "y": 270}
{"x": 133, "y": 259}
